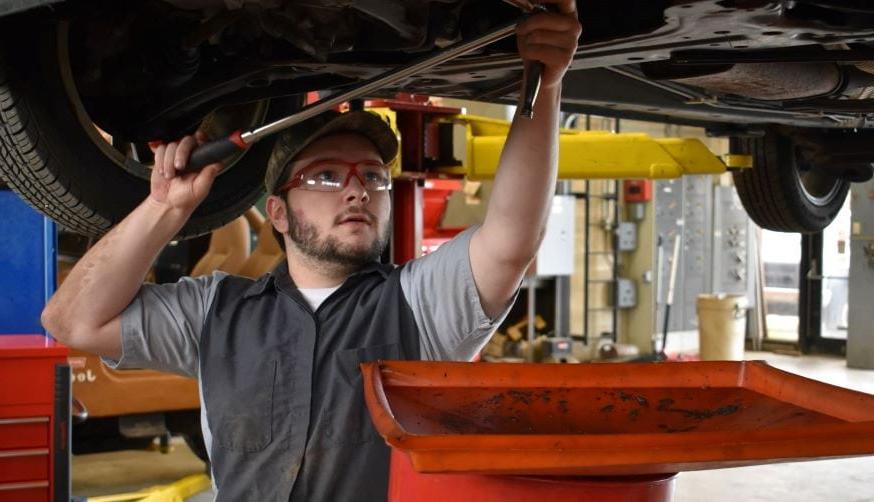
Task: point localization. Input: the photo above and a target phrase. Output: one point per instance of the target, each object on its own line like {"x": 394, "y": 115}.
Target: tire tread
{"x": 770, "y": 191}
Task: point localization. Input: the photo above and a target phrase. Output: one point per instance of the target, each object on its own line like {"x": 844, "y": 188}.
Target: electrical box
{"x": 626, "y": 293}
{"x": 637, "y": 190}
{"x": 556, "y": 254}
{"x": 626, "y": 236}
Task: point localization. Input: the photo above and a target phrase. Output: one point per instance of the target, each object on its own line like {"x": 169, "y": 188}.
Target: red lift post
{"x": 420, "y": 193}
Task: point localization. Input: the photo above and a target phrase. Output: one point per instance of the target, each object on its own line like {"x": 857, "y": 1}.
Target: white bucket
{"x": 721, "y": 326}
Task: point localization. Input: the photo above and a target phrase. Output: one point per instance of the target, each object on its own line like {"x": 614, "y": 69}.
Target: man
{"x": 277, "y": 358}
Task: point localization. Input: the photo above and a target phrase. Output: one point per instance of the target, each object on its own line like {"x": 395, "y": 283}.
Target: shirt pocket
{"x": 349, "y": 421}
{"x": 349, "y": 361}
{"x": 240, "y": 406}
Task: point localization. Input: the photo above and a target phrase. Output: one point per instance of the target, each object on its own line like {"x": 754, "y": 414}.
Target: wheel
{"x": 782, "y": 191}
{"x": 53, "y": 156}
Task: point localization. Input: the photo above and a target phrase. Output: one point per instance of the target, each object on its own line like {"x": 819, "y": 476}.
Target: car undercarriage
{"x": 804, "y": 63}
{"x": 760, "y": 71}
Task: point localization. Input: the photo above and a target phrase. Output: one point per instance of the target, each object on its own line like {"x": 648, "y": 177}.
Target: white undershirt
{"x": 315, "y": 296}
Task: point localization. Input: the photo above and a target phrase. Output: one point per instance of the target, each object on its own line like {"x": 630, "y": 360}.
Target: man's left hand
{"x": 551, "y": 38}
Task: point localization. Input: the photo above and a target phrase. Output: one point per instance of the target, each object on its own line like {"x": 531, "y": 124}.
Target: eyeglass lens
{"x": 333, "y": 176}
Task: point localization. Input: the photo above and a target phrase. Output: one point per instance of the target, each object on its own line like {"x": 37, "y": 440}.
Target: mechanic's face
{"x": 348, "y": 227}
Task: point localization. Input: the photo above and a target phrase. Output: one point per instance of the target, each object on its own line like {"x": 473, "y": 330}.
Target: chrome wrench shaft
{"x": 215, "y": 151}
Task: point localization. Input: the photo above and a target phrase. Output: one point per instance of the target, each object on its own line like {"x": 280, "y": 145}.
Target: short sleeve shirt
{"x": 161, "y": 327}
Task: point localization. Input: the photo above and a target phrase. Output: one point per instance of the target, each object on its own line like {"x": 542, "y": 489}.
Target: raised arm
{"x": 85, "y": 311}
{"x": 503, "y": 247}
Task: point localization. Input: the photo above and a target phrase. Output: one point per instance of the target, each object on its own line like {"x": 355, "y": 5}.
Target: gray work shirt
{"x": 281, "y": 394}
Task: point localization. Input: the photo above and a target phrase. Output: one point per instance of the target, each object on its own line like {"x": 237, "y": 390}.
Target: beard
{"x": 329, "y": 249}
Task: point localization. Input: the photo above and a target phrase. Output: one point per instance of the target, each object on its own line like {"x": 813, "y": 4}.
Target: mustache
{"x": 357, "y": 213}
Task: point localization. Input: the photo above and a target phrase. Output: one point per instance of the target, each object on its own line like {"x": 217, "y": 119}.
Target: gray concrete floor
{"x": 127, "y": 471}
{"x": 843, "y": 480}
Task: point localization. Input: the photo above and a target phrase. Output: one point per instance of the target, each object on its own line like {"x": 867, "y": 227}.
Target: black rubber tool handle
{"x": 215, "y": 151}
{"x": 530, "y": 88}
{"x": 531, "y": 77}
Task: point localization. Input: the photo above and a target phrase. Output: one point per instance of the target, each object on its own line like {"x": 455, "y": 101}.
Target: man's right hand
{"x": 171, "y": 185}
{"x": 85, "y": 312}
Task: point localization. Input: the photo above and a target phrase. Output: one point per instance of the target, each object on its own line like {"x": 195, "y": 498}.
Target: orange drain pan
{"x": 610, "y": 419}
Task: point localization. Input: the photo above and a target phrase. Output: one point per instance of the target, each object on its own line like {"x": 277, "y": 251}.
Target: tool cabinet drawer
{"x": 28, "y": 491}
{"x": 24, "y": 465}
{"x": 23, "y": 433}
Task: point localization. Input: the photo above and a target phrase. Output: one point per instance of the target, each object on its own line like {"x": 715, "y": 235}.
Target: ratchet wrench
{"x": 215, "y": 151}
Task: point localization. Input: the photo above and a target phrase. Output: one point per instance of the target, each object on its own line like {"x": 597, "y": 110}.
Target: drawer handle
{"x": 5, "y": 487}
{"x": 24, "y": 420}
{"x": 24, "y": 453}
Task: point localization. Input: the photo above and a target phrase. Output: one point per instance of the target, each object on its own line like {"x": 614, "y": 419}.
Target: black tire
{"x": 782, "y": 192}
{"x": 49, "y": 158}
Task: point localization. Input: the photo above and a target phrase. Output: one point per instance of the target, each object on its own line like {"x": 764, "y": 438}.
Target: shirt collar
{"x": 280, "y": 279}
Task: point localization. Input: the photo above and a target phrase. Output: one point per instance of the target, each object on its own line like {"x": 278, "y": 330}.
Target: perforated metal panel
{"x": 732, "y": 228}
{"x": 669, "y": 226}
{"x": 716, "y": 241}
{"x": 695, "y": 252}
{"x": 684, "y": 210}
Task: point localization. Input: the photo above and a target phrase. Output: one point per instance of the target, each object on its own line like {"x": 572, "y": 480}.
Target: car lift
{"x": 426, "y": 133}
{"x": 594, "y": 154}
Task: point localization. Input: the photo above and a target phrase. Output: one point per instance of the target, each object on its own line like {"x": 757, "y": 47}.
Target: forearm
{"x": 108, "y": 277}
{"x": 525, "y": 181}
{"x": 521, "y": 198}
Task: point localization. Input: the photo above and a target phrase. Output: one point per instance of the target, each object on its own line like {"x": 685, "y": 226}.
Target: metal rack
{"x": 613, "y": 252}
{"x": 613, "y": 197}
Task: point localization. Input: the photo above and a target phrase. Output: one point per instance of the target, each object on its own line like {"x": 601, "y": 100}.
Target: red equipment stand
{"x": 407, "y": 485}
{"x": 34, "y": 419}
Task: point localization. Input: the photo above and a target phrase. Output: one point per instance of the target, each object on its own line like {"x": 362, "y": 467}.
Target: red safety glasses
{"x": 333, "y": 175}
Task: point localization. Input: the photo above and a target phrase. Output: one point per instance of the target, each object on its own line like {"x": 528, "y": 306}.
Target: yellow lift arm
{"x": 174, "y": 492}
{"x": 595, "y": 154}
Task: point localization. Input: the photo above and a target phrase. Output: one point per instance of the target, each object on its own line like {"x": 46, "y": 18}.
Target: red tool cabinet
{"x": 34, "y": 419}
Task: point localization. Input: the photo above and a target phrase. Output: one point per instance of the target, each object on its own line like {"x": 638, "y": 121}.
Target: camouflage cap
{"x": 294, "y": 139}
